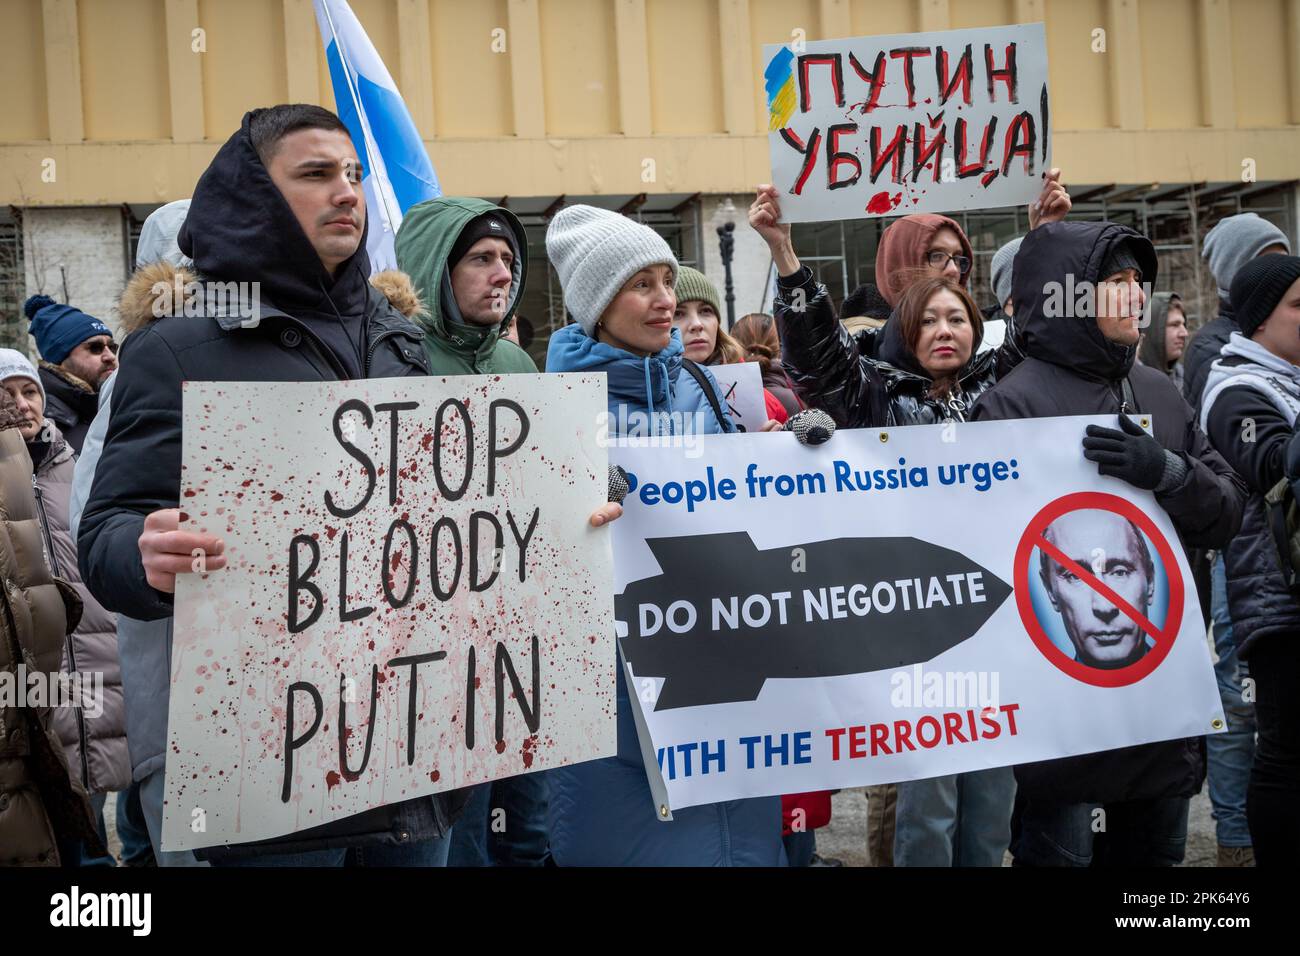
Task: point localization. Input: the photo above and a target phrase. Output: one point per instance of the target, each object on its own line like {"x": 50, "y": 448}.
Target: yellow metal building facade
{"x": 652, "y": 106}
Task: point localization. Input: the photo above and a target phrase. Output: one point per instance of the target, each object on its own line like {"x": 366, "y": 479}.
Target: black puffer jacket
{"x": 1259, "y": 600}
{"x": 1071, "y": 369}
{"x": 830, "y": 369}
{"x": 240, "y": 229}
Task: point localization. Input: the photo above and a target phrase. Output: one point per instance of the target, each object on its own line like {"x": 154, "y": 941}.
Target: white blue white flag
{"x": 398, "y": 173}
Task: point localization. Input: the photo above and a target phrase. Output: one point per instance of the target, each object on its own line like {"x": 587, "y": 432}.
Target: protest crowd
{"x": 91, "y": 439}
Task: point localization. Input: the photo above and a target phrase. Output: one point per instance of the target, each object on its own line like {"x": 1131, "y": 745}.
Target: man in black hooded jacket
{"x": 1081, "y": 362}
{"x": 280, "y": 208}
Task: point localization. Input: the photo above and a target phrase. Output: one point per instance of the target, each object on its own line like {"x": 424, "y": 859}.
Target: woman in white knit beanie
{"x": 618, "y": 277}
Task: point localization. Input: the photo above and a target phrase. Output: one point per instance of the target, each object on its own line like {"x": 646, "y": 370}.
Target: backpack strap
{"x": 710, "y": 393}
{"x": 1130, "y": 405}
{"x": 1276, "y": 502}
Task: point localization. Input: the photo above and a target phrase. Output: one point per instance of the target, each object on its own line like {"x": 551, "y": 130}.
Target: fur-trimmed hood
{"x": 61, "y": 373}
{"x": 10, "y": 417}
{"x": 151, "y": 293}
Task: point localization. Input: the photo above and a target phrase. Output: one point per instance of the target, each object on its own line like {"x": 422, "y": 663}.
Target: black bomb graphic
{"x": 722, "y": 616}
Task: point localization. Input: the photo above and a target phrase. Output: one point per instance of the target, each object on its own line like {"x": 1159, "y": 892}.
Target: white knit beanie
{"x": 14, "y": 364}
{"x": 595, "y": 251}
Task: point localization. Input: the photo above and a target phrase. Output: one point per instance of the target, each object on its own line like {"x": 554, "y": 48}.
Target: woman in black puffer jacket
{"x": 926, "y": 369}
{"x": 896, "y": 385}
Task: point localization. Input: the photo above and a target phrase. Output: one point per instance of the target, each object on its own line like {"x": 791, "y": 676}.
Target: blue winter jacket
{"x": 601, "y": 812}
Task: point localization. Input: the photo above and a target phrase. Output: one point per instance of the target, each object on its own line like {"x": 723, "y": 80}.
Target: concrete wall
{"x": 81, "y": 246}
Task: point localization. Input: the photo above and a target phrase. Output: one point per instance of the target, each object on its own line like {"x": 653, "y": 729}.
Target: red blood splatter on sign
{"x": 276, "y": 496}
{"x": 332, "y": 779}
{"x": 501, "y": 746}
{"x": 879, "y": 203}
{"x": 434, "y": 775}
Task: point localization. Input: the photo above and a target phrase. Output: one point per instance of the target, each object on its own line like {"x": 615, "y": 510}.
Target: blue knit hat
{"x": 59, "y": 329}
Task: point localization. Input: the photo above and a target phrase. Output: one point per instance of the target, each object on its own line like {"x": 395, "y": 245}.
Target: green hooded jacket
{"x": 424, "y": 241}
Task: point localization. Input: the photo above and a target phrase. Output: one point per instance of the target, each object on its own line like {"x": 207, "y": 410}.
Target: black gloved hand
{"x": 1130, "y": 455}
{"x": 812, "y": 426}
{"x": 618, "y": 484}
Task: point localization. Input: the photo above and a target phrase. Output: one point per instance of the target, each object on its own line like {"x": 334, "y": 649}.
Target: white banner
{"x": 898, "y": 604}
{"x": 414, "y": 599}
{"x": 912, "y": 122}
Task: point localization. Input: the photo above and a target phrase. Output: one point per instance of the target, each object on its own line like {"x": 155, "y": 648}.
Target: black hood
{"x": 1047, "y": 257}
{"x": 893, "y": 350}
{"x": 240, "y": 229}
{"x": 1151, "y": 351}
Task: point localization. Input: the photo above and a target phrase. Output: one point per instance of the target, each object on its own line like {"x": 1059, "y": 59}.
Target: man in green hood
{"x": 468, "y": 260}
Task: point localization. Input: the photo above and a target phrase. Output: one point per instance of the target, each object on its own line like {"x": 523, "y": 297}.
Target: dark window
{"x": 13, "y": 284}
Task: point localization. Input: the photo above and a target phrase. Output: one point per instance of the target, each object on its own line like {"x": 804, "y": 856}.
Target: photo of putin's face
{"x": 1113, "y": 549}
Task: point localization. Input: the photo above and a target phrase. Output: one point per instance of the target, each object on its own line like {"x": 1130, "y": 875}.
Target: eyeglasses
{"x": 97, "y": 348}
{"x": 938, "y": 260}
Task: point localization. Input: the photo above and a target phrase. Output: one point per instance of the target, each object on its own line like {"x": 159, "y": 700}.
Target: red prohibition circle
{"x": 1094, "y": 500}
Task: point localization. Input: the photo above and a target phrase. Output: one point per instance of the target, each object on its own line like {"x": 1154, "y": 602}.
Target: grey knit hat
{"x": 595, "y": 251}
{"x": 1236, "y": 240}
{"x": 1000, "y": 270}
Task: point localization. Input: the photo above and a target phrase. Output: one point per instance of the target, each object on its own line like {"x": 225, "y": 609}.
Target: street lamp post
{"x": 727, "y": 245}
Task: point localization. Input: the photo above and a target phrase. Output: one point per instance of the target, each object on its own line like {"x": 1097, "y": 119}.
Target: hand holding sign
{"x": 605, "y": 514}
{"x": 1053, "y": 203}
{"x": 166, "y": 551}
{"x": 1130, "y": 455}
{"x": 765, "y": 218}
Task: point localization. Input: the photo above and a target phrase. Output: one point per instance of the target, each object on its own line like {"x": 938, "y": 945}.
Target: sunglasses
{"x": 97, "y": 348}
{"x": 938, "y": 260}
